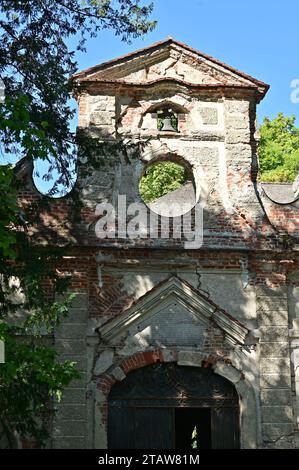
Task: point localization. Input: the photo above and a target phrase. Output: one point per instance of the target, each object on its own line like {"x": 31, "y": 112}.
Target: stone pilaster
{"x": 275, "y": 368}
{"x": 70, "y": 341}
{"x": 294, "y": 343}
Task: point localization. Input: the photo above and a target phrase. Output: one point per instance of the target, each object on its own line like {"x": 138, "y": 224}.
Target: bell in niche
{"x": 167, "y": 121}
{"x": 167, "y": 124}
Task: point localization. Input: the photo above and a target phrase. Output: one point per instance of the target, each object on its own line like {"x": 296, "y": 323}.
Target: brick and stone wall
{"x": 240, "y": 288}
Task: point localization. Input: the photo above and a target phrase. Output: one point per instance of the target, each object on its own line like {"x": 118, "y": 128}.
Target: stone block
{"x": 276, "y": 397}
{"x": 275, "y": 366}
{"x": 274, "y": 349}
{"x": 238, "y": 153}
{"x": 64, "y": 442}
{"x": 99, "y": 396}
{"x": 71, "y": 330}
{"x": 79, "y": 360}
{"x": 229, "y": 372}
{"x": 237, "y": 136}
{"x": 265, "y": 304}
{"x": 189, "y": 358}
{"x": 236, "y": 106}
{"x": 273, "y": 334}
{"x": 74, "y": 395}
{"x": 276, "y": 381}
{"x": 169, "y": 355}
{"x": 80, "y": 301}
{"x": 79, "y": 383}
{"x": 104, "y": 361}
{"x": 103, "y": 118}
{"x": 71, "y": 411}
{"x": 273, "y": 317}
{"x": 78, "y": 315}
{"x": 237, "y": 122}
{"x": 70, "y": 346}
{"x": 101, "y": 106}
{"x": 275, "y": 431}
{"x": 118, "y": 374}
{"x": 70, "y": 427}
{"x": 96, "y": 100}
{"x": 277, "y": 414}
{"x": 266, "y": 291}
{"x": 209, "y": 115}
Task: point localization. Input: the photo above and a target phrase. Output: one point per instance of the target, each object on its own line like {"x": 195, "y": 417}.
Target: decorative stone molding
{"x": 163, "y": 295}
{"x": 117, "y": 372}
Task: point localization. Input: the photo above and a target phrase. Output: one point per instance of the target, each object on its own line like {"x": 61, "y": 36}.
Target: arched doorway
{"x": 166, "y": 406}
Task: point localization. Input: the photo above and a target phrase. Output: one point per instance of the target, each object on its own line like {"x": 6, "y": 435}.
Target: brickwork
{"x": 242, "y": 285}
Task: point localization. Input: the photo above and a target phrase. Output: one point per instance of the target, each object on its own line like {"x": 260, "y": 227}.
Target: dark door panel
{"x": 121, "y": 427}
{"x": 225, "y": 428}
{"x": 154, "y": 428}
{"x": 165, "y": 406}
{"x": 140, "y": 428}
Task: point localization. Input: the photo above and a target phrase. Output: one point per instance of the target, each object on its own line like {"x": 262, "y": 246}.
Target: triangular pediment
{"x": 174, "y": 311}
{"x": 169, "y": 60}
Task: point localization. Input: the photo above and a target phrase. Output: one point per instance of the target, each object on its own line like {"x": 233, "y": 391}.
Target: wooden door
{"x": 142, "y": 409}
{"x": 135, "y": 427}
{"x": 225, "y": 428}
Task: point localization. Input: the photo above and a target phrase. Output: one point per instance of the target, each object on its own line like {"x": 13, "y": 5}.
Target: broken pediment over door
{"x": 172, "y": 314}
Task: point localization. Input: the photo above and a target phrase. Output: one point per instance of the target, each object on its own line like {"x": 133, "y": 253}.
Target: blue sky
{"x": 259, "y": 37}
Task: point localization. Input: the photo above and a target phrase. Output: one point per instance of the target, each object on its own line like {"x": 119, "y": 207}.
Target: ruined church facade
{"x": 161, "y": 328}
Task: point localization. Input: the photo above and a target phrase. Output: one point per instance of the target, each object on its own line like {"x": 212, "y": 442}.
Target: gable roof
{"x": 87, "y": 73}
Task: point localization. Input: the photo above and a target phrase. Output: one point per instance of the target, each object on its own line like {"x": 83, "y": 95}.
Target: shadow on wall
{"x": 123, "y": 283}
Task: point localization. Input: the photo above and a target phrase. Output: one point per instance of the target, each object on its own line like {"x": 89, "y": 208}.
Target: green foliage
{"x": 160, "y": 123}
{"x": 29, "y": 378}
{"x": 31, "y": 375}
{"x": 194, "y": 443}
{"x": 8, "y": 210}
{"x": 160, "y": 179}
{"x": 174, "y": 122}
{"x": 279, "y": 149}
{"x": 35, "y": 65}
